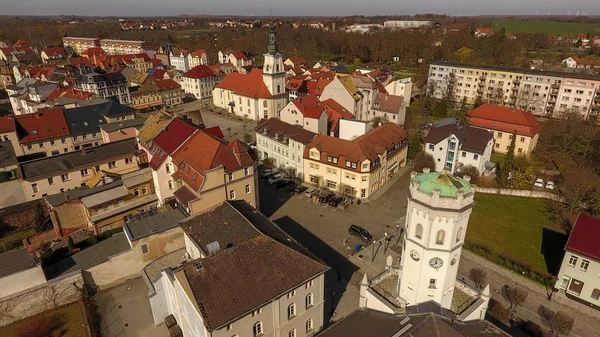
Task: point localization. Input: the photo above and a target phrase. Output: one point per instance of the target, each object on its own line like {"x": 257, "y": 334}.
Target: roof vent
{"x": 198, "y": 266}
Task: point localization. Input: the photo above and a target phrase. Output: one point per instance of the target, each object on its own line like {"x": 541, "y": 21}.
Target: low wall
{"x": 52, "y": 294}
{"x": 518, "y": 193}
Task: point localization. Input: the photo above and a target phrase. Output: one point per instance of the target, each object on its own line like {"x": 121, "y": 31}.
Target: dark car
{"x": 324, "y": 198}
{"x": 360, "y": 232}
{"x": 282, "y": 183}
{"x": 300, "y": 189}
{"x": 335, "y": 201}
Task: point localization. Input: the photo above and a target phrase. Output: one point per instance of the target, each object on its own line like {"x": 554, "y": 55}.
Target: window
{"x": 232, "y": 195}
{"x": 50, "y": 181}
{"x": 136, "y": 192}
{"x": 112, "y": 164}
{"x": 65, "y": 177}
{"x": 246, "y": 171}
{"x": 230, "y": 176}
{"x": 419, "y": 231}
{"x": 463, "y": 154}
{"x": 363, "y": 193}
{"x": 292, "y": 333}
{"x": 258, "y": 328}
{"x": 572, "y": 261}
{"x": 247, "y": 189}
{"x": 452, "y": 146}
{"x": 596, "y": 294}
{"x": 29, "y": 147}
{"x": 459, "y": 234}
{"x": 475, "y": 156}
{"x": 584, "y": 265}
{"x": 41, "y": 145}
{"x": 292, "y": 311}
{"x": 84, "y": 172}
{"x": 365, "y": 166}
{"x": 309, "y": 300}
{"x": 144, "y": 190}
{"x": 498, "y": 146}
{"x": 55, "y": 152}
{"x": 144, "y": 249}
{"x": 128, "y": 160}
{"x": 171, "y": 184}
{"x": 432, "y": 283}
{"x": 499, "y": 134}
{"x": 64, "y": 141}
{"x": 291, "y": 294}
{"x": 309, "y": 325}
{"x": 168, "y": 168}
{"x": 84, "y": 136}
{"x": 51, "y": 142}
{"x": 34, "y": 187}
{"x": 439, "y": 239}
{"x": 431, "y": 147}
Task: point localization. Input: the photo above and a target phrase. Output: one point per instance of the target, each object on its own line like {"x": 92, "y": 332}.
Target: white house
{"x": 179, "y": 60}
{"x": 400, "y": 87}
{"x": 199, "y": 81}
{"x": 284, "y": 143}
{"x": 241, "y": 281}
{"x": 307, "y": 112}
{"x": 196, "y": 58}
{"x": 453, "y": 146}
{"x": 578, "y": 276}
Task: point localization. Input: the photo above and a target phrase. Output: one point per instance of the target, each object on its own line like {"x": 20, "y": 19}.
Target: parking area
{"x": 126, "y": 312}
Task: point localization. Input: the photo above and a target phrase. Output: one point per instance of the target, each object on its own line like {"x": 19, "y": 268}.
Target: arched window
{"x": 309, "y": 325}
{"x": 459, "y": 234}
{"x": 291, "y": 311}
{"x": 439, "y": 239}
{"x": 292, "y": 333}
{"x": 257, "y": 329}
{"x": 419, "y": 231}
{"x": 309, "y": 300}
{"x": 265, "y": 103}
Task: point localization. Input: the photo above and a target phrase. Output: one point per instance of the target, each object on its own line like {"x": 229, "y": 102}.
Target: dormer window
{"x": 34, "y": 132}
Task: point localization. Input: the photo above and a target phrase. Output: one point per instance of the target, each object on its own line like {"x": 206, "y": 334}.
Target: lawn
{"x": 542, "y": 26}
{"x": 68, "y": 322}
{"x": 517, "y": 227}
{"x": 14, "y": 240}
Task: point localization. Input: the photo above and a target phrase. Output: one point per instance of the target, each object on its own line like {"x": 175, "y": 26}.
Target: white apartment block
{"x": 199, "y": 82}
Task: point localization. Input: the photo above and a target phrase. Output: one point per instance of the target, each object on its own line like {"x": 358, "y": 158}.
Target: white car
{"x": 274, "y": 179}
{"x": 550, "y": 185}
{"x": 539, "y": 182}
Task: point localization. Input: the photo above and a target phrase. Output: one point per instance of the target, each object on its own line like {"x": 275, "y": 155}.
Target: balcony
{"x": 554, "y": 92}
{"x": 482, "y": 77}
{"x": 516, "y": 81}
{"x": 552, "y": 99}
{"x": 481, "y": 84}
{"x": 555, "y": 85}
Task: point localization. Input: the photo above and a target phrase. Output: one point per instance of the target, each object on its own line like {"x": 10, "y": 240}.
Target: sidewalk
{"x": 587, "y": 320}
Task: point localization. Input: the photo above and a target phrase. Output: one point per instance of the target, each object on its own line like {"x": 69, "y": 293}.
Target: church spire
{"x": 272, "y": 46}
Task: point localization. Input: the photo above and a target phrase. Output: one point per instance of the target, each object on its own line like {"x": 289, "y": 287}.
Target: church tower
{"x": 273, "y": 71}
{"x": 437, "y": 215}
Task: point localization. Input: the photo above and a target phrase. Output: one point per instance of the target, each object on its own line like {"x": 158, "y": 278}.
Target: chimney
{"x": 426, "y": 169}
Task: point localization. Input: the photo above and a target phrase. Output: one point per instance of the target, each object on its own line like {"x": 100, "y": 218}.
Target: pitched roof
{"x": 7, "y": 124}
{"x": 199, "y": 53}
{"x": 585, "y": 237}
{"x": 215, "y": 131}
{"x": 309, "y": 106}
{"x": 7, "y": 154}
{"x": 167, "y": 84}
{"x": 240, "y": 55}
{"x": 473, "y": 139}
{"x": 201, "y": 71}
{"x": 248, "y": 85}
{"x": 54, "y": 51}
{"x": 505, "y": 119}
{"x": 128, "y": 123}
{"x": 93, "y": 51}
{"x": 41, "y": 125}
{"x": 272, "y": 126}
{"x": 335, "y": 112}
{"x": 168, "y": 140}
{"x": 298, "y": 60}
{"x": 159, "y": 74}
{"x": 251, "y": 269}
{"x": 71, "y": 93}
{"x": 15, "y": 261}
{"x": 586, "y": 61}
{"x": 484, "y": 30}
{"x": 387, "y": 103}
{"x": 105, "y": 107}
{"x": 153, "y": 126}
{"x": 367, "y": 146}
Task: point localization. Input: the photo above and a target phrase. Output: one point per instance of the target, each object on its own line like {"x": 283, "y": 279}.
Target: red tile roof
{"x": 484, "y": 30}
{"x": 335, "y": 112}
{"x": 582, "y": 36}
{"x": 7, "y": 124}
{"x": 585, "y": 237}
{"x": 78, "y": 61}
{"x": 387, "y": 103}
{"x": 93, "y": 51}
{"x": 41, "y": 125}
{"x": 168, "y": 140}
{"x": 21, "y": 43}
{"x": 157, "y": 63}
{"x": 298, "y": 60}
{"x": 505, "y": 119}
{"x": 167, "y": 84}
{"x": 248, "y": 85}
{"x": 215, "y": 131}
{"x": 586, "y": 61}
{"x": 7, "y": 51}
{"x": 199, "y": 53}
{"x": 159, "y": 74}
{"x": 69, "y": 93}
{"x": 53, "y": 51}
{"x": 309, "y": 106}
{"x": 201, "y": 71}
{"x": 239, "y": 55}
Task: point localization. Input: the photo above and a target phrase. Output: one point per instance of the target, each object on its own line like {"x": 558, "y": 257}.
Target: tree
{"x": 71, "y": 243}
{"x": 41, "y": 222}
{"x": 247, "y": 137}
{"x": 515, "y": 296}
{"x": 378, "y": 121}
{"x": 561, "y": 324}
{"x": 268, "y": 163}
{"x": 414, "y": 146}
{"x": 44, "y": 251}
{"x": 470, "y": 171}
{"x": 40, "y": 326}
{"x": 423, "y": 160}
{"x": 440, "y": 108}
{"x": 478, "y": 276}
{"x": 56, "y": 294}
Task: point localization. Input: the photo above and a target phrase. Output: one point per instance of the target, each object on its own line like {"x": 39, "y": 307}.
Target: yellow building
{"x": 359, "y": 167}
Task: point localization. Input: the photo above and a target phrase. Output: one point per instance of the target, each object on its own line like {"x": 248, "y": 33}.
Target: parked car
{"x": 325, "y": 197}
{"x": 300, "y": 189}
{"x": 360, "y": 232}
{"x": 550, "y": 185}
{"x": 539, "y": 182}
{"x": 335, "y": 201}
{"x": 266, "y": 173}
{"x": 282, "y": 183}
{"x": 309, "y": 193}
{"x": 274, "y": 178}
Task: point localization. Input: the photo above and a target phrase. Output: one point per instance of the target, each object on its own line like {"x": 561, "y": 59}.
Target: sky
{"x": 295, "y": 8}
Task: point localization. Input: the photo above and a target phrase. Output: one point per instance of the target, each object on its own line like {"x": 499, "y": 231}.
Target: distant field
{"x": 541, "y": 26}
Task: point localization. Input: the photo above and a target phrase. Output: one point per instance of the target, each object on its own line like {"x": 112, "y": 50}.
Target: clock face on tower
{"x": 436, "y": 262}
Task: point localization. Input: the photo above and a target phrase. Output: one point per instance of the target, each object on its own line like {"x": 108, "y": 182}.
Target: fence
{"x": 518, "y": 193}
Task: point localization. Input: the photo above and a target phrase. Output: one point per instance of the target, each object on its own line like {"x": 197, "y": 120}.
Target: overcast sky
{"x": 289, "y": 7}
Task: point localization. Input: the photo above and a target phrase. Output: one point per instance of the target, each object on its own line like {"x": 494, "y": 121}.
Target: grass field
{"x": 518, "y": 227}
{"x": 12, "y": 241}
{"x": 541, "y": 26}
{"x": 67, "y": 320}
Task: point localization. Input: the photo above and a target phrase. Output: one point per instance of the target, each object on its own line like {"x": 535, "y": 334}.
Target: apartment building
{"x": 111, "y": 47}
{"x": 29, "y": 95}
{"x": 284, "y": 143}
{"x": 105, "y": 85}
{"x": 8, "y": 133}
{"x": 80, "y": 44}
{"x": 502, "y": 122}
{"x": 248, "y": 276}
{"x": 122, "y": 130}
{"x": 199, "y": 82}
{"x": 208, "y": 171}
{"x": 315, "y": 116}
{"x": 578, "y": 275}
{"x": 544, "y": 93}
{"x": 56, "y": 174}
{"x": 179, "y": 59}
{"x": 358, "y": 167}
{"x": 155, "y": 94}
{"x": 453, "y": 146}
{"x": 44, "y": 131}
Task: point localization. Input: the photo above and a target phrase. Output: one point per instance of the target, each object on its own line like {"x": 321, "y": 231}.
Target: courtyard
{"x": 66, "y": 321}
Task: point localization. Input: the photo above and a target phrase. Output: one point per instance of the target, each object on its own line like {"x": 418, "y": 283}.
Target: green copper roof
{"x": 446, "y": 183}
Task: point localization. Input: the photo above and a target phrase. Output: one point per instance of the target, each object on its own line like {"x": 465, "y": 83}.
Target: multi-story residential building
{"x": 105, "y": 85}
{"x": 578, "y": 275}
{"x": 44, "y": 131}
{"x": 359, "y": 167}
{"x": 284, "y": 143}
{"x": 315, "y": 116}
{"x": 239, "y": 58}
{"x": 29, "y": 95}
{"x": 197, "y": 58}
{"x": 247, "y": 275}
{"x": 7, "y": 76}
{"x": 540, "y": 92}
{"x": 126, "y": 129}
{"x": 155, "y": 94}
{"x": 453, "y": 146}
{"x": 56, "y": 174}
{"x": 53, "y": 54}
{"x": 209, "y": 170}
{"x": 199, "y": 82}
{"x": 102, "y": 207}
{"x": 170, "y": 92}
{"x": 502, "y": 122}
{"x": 111, "y": 47}
{"x": 400, "y": 87}
{"x": 259, "y": 94}
{"x": 179, "y": 59}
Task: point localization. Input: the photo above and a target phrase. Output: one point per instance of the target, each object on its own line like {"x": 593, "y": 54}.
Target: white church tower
{"x": 437, "y": 215}
{"x": 273, "y": 70}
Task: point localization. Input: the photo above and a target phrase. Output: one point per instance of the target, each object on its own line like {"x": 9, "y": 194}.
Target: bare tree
{"x": 378, "y": 121}
{"x": 8, "y": 306}
{"x": 268, "y": 163}
{"x": 561, "y": 324}
{"x": 528, "y": 97}
{"x": 423, "y": 160}
{"x": 55, "y": 294}
{"x": 478, "y": 276}
{"x": 515, "y": 296}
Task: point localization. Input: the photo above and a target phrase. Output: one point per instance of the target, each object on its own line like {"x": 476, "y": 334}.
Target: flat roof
{"x": 15, "y": 261}
{"x": 128, "y": 123}
{"x": 160, "y": 222}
